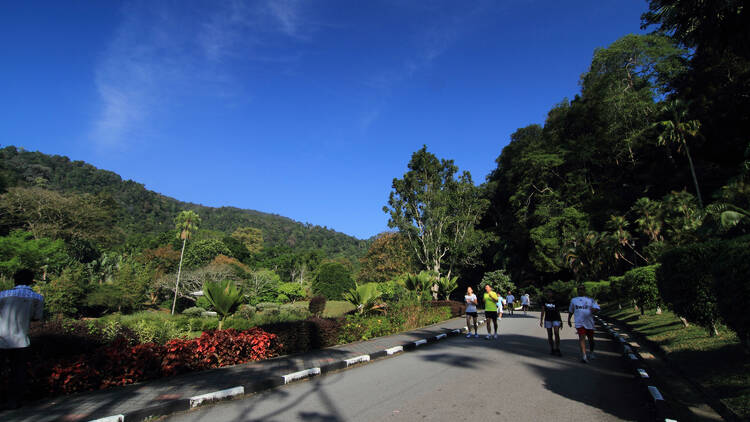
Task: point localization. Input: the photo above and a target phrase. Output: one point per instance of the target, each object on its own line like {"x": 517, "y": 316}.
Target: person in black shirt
{"x": 551, "y": 320}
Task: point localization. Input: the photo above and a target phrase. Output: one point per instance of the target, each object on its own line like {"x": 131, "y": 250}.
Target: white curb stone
{"x": 632, "y": 356}
{"x": 441, "y": 336}
{"x": 420, "y": 342}
{"x": 301, "y": 374}
{"x": 655, "y": 393}
{"x": 115, "y": 418}
{"x": 642, "y": 373}
{"x": 196, "y": 401}
{"x": 394, "y": 350}
{"x": 356, "y": 360}
{"x": 458, "y": 331}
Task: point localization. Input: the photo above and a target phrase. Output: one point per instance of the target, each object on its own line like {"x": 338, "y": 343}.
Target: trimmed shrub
{"x": 295, "y": 310}
{"x": 302, "y": 336}
{"x": 640, "y": 286}
{"x": 317, "y": 305}
{"x": 617, "y": 289}
{"x": 267, "y": 307}
{"x": 732, "y": 275}
{"x": 282, "y": 298}
{"x": 245, "y": 311}
{"x": 194, "y": 311}
{"x": 687, "y": 285}
{"x": 598, "y": 290}
{"x": 332, "y": 281}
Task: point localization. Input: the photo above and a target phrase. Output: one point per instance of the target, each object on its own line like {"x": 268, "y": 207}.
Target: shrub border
{"x": 169, "y": 407}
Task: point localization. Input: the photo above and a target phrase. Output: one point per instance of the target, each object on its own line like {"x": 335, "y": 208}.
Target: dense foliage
{"x": 332, "y": 281}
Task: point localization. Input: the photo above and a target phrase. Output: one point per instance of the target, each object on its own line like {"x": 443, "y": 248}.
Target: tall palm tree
{"x": 677, "y": 130}
{"x": 187, "y": 223}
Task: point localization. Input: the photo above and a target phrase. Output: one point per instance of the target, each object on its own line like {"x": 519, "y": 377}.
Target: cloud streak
{"x": 151, "y": 60}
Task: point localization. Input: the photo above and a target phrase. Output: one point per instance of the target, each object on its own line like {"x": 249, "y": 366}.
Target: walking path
{"x": 167, "y": 395}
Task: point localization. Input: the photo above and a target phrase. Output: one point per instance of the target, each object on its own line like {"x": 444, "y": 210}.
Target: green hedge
{"x": 686, "y": 282}
{"x": 732, "y": 276}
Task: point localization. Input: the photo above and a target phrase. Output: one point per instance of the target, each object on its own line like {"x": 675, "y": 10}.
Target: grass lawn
{"x": 717, "y": 363}
{"x": 337, "y": 308}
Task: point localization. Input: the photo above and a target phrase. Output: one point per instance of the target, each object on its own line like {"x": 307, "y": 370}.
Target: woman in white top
{"x": 471, "y": 311}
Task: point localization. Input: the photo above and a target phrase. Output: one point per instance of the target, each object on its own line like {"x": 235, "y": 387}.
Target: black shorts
{"x": 472, "y": 314}
{"x": 490, "y": 314}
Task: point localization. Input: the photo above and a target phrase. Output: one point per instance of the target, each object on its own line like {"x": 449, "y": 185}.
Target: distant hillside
{"x": 145, "y": 212}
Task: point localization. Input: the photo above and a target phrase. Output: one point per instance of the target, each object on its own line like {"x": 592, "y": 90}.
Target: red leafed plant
{"x": 120, "y": 364}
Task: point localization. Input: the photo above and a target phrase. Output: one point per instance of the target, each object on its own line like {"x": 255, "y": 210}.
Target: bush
{"x": 562, "y": 291}
{"x": 686, "y": 283}
{"x": 266, "y": 307}
{"x": 456, "y": 308}
{"x": 245, "y": 311}
{"x": 302, "y": 336}
{"x": 498, "y": 280}
{"x": 282, "y": 298}
{"x": 194, "y": 311}
{"x": 598, "y": 290}
{"x": 294, "y": 311}
{"x": 640, "y": 286}
{"x": 332, "y": 281}
{"x": 292, "y": 291}
{"x": 64, "y": 294}
{"x": 617, "y": 288}
{"x": 317, "y": 305}
{"x": 392, "y": 291}
{"x": 732, "y": 275}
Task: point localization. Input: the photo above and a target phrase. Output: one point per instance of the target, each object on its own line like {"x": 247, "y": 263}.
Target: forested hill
{"x": 141, "y": 212}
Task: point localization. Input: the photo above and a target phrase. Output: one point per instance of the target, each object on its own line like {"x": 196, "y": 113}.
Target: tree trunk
{"x": 695, "y": 178}
{"x": 712, "y": 331}
{"x": 179, "y": 270}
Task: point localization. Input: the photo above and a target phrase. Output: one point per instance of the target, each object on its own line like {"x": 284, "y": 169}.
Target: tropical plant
{"x": 446, "y": 286}
{"x": 365, "y": 297}
{"x": 224, "y": 297}
{"x": 677, "y": 130}
{"x": 187, "y": 223}
{"x": 420, "y": 282}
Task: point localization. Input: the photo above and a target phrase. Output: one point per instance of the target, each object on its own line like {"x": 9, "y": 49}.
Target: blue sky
{"x": 306, "y": 109}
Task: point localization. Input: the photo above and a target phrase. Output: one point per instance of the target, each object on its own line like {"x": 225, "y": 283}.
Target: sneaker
{"x": 496, "y": 336}
{"x": 590, "y": 356}
{"x": 476, "y": 335}
{"x": 468, "y": 335}
{"x": 584, "y": 360}
{"x": 487, "y": 337}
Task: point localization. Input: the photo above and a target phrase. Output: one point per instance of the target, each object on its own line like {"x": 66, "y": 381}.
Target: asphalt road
{"x": 513, "y": 378}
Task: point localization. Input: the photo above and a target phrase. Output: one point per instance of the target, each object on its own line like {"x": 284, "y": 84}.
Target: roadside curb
{"x": 169, "y": 407}
{"x": 634, "y": 359}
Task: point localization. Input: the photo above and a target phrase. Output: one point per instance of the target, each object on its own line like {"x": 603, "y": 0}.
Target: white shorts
{"x": 550, "y": 324}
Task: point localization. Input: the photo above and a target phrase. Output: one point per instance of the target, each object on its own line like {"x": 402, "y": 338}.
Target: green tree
{"x": 332, "y": 281}
{"x": 641, "y": 286}
{"x": 251, "y": 237}
{"x": 64, "y": 294}
{"x": 499, "y": 280}
{"x": 389, "y": 256}
{"x": 437, "y": 212}
{"x": 365, "y": 297}
{"x": 21, "y": 250}
{"x": 186, "y": 222}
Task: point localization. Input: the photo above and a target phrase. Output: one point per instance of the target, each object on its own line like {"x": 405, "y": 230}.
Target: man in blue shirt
{"x": 18, "y": 306}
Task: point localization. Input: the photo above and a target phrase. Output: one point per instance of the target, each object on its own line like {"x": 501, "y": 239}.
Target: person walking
{"x": 525, "y": 303}
{"x": 490, "y": 310}
{"x": 471, "y": 312}
{"x": 583, "y": 308}
{"x": 552, "y": 321}
{"x": 18, "y": 306}
{"x": 510, "y": 299}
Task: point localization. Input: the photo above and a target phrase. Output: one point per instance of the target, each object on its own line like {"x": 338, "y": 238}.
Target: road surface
{"x": 457, "y": 379}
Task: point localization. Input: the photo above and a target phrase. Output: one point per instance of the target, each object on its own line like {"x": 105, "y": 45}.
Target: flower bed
{"x": 121, "y": 363}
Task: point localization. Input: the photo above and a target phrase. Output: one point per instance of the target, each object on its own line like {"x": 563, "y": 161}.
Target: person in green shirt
{"x": 490, "y": 310}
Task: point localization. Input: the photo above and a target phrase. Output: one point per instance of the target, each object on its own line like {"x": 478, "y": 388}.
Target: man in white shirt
{"x": 583, "y": 308}
{"x": 525, "y": 302}
{"x": 18, "y": 306}
{"x": 510, "y": 299}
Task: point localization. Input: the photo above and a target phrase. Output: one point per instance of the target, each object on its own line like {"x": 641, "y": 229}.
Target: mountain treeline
{"x": 139, "y": 216}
